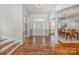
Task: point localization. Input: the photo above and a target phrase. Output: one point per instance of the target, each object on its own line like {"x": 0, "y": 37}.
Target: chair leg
{"x": 70, "y": 37}
{"x": 66, "y": 37}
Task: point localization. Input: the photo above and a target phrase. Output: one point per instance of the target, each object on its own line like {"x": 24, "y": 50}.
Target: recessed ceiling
{"x": 39, "y": 8}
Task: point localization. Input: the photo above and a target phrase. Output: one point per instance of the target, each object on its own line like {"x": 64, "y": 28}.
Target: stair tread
{"x": 5, "y": 44}
{"x": 9, "y": 49}
{"x": 3, "y": 40}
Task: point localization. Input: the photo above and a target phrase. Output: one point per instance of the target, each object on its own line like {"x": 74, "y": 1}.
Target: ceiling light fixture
{"x": 38, "y": 4}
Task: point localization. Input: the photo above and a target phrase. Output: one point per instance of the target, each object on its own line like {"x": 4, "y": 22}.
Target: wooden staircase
{"x": 7, "y": 46}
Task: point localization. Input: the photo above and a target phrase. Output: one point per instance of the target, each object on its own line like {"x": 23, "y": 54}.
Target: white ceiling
{"x": 43, "y": 11}
{"x": 39, "y": 8}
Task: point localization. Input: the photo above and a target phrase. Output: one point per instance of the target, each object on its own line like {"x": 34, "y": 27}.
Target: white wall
{"x": 2, "y": 18}
{"x": 12, "y": 22}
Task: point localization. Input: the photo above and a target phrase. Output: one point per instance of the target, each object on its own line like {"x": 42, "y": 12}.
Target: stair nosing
{"x": 9, "y": 49}
{"x": 3, "y": 41}
{"x": 6, "y": 47}
{"x": 6, "y": 43}
{"x": 14, "y": 48}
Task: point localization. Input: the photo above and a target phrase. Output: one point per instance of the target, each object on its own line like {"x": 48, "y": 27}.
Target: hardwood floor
{"x": 29, "y": 48}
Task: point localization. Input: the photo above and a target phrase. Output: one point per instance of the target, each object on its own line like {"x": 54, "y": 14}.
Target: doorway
{"x": 40, "y": 32}
{"x": 40, "y": 28}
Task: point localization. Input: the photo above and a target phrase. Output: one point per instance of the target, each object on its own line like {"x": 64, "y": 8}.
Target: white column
{"x": 56, "y": 28}
{"x": 34, "y": 41}
{"x": 34, "y": 28}
{"x": 43, "y": 41}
